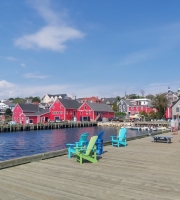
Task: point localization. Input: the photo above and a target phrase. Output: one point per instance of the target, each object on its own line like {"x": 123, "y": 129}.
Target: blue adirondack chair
{"x": 83, "y": 141}
{"x": 99, "y": 144}
{"x": 120, "y": 139}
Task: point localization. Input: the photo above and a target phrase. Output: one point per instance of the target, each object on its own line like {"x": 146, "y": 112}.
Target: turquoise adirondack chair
{"x": 100, "y": 144}
{"x": 120, "y": 139}
{"x": 83, "y": 141}
{"x": 88, "y": 153}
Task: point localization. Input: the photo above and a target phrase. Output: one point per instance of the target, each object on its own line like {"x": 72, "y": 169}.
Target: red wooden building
{"x": 92, "y": 111}
{"x": 89, "y": 99}
{"x": 29, "y": 113}
{"x": 63, "y": 109}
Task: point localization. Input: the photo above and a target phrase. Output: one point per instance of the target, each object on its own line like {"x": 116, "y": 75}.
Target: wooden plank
{"x": 142, "y": 170}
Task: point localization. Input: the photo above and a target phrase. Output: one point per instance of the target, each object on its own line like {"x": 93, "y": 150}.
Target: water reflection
{"x": 18, "y": 144}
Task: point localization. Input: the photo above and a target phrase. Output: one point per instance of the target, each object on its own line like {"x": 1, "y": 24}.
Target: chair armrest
{"x": 112, "y": 137}
{"x": 81, "y": 143}
{"x": 70, "y": 145}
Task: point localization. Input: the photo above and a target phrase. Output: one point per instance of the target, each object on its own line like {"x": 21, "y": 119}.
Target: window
{"x": 67, "y": 112}
{"x": 84, "y": 107}
{"x": 61, "y": 106}
{"x": 177, "y": 109}
{"x": 81, "y": 113}
{"x": 87, "y": 113}
{"x": 71, "y": 113}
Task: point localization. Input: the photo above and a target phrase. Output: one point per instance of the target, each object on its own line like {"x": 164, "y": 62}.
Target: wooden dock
{"x": 153, "y": 123}
{"x": 143, "y": 170}
{"x": 59, "y": 125}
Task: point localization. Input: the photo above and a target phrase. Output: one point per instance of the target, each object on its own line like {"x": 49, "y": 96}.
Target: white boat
{"x": 135, "y": 128}
{"x": 162, "y": 128}
{"x": 145, "y": 128}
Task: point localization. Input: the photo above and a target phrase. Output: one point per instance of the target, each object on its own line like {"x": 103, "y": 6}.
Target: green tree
{"x": 36, "y": 99}
{"x": 160, "y": 102}
{"x": 152, "y": 114}
{"x": 133, "y": 96}
{"x": 8, "y": 112}
{"x": 19, "y": 100}
{"x": 118, "y": 98}
{"x": 11, "y": 99}
{"x": 143, "y": 113}
{"x": 117, "y": 114}
{"x": 29, "y": 97}
{"x": 115, "y": 107}
{"x": 150, "y": 96}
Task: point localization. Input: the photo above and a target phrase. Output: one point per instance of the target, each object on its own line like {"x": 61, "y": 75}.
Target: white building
{"x": 3, "y": 107}
{"x": 143, "y": 102}
{"x": 52, "y": 97}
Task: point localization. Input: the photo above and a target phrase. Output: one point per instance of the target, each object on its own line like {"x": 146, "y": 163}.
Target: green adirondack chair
{"x": 89, "y": 153}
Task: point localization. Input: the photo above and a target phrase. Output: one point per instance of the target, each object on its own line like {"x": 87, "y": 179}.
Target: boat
{"x": 135, "y": 128}
{"x": 162, "y": 128}
{"x": 145, "y": 128}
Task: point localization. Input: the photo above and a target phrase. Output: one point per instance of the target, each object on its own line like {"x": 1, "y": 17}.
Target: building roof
{"x": 41, "y": 112}
{"x": 57, "y": 95}
{"x": 29, "y": 107}
{"x": 128, "y": 102}
{"x": 10, "y": 104}
{"x": 90, "y": 99}
{"x": 68, "y": 103}
{"x": 110, "y": 100}
{"x": 100, "y": 107}
{"x": 174, "y": 102}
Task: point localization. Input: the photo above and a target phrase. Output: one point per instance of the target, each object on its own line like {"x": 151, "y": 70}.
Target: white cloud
{"x": 31, "y": 75}
{"x": 23, "y": 65}
{"x": 8, "y": 89}
{"x": 6, "y": 84}
{"x": 49, "y": 37}
{"x": 53, "y": 36}
{"x": 11, "y": 58}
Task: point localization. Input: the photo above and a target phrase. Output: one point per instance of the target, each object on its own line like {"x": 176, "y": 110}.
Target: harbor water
{"x": 18, "y": 144}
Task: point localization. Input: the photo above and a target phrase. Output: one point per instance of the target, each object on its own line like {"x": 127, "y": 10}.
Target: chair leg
{"x": 80, "y": 159}
{"x": 69, "y": 153}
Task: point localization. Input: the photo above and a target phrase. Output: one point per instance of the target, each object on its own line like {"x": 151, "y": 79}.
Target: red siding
{"x": 86, "y": 111}
{"x": 16, "y": 115}
{"x": 137, "y": 109}
{"x": 57, "y": 110}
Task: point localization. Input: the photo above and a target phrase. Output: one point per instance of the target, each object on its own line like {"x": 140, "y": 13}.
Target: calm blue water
{"x": 18, "y": 144}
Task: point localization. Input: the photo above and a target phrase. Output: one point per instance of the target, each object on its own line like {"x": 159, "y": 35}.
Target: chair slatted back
{"x": 122, "y": 134}
{"x": 84, "y": 137}
{"x": 91, "y": 145}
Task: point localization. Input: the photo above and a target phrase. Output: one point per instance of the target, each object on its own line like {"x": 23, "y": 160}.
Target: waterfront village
{"x": 61, "y": 107}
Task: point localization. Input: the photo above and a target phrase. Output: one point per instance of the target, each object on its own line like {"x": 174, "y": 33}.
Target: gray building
{"x": 176, "y": 109}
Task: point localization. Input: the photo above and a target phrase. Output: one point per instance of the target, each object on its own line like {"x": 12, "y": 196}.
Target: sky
{"x": 89, "y": 48}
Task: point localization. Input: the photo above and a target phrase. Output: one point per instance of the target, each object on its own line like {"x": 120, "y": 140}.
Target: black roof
{"x": 100, "y": 107}
{"x": 174, "y": 102}
{"x": 69, "y": 103}
{"x": 29, "y": 107}
{"x": 41, "y": 112}
{"x": 111, "y": 100}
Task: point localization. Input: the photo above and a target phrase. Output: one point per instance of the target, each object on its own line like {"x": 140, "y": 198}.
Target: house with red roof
{"x": 90, "y": 99}
{"x": 93, "y": 111}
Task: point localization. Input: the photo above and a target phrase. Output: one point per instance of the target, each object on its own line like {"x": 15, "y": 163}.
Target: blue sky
{"x": 89, "y": 48}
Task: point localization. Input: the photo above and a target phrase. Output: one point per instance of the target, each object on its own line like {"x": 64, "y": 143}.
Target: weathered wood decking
{"x": 142, "y": 170}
